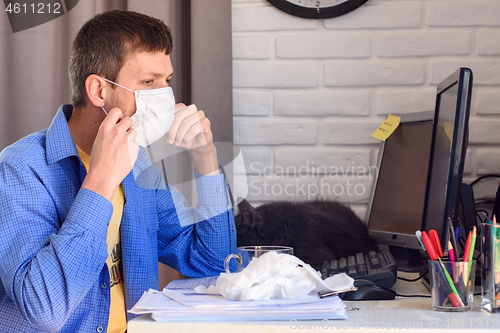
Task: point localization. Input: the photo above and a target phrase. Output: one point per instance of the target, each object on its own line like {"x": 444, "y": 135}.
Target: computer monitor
{"x": 420, "y": 169}
{"x": 449, "y": 145}
{"x": 396, "y": 208}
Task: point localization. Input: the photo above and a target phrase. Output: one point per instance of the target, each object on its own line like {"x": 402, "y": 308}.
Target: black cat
{"x": 316, "y": 230}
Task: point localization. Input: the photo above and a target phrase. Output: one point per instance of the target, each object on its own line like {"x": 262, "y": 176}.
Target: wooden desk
{"x": 398, "y": 315}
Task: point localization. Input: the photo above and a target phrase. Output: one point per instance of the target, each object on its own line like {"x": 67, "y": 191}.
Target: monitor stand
{"x": 409, "y": 260}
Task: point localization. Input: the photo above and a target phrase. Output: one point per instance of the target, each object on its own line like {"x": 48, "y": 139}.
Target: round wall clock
{"x": 317, "y": 9}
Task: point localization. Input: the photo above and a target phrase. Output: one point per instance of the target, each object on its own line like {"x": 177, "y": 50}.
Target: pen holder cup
{"x": 452, "y": 284}
{"x": 490, "y": 268}
{"x": 246, "y": 253}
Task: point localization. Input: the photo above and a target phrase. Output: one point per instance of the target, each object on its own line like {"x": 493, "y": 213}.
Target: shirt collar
{"x": 59, "y": 142}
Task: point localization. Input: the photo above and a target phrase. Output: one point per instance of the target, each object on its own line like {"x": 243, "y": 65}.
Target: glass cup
{"x": 452, "y": 284}
{"x": 245, "y": 254}
{"x": 490, "y": 268}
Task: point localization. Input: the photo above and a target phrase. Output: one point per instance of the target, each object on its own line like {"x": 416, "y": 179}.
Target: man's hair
{"x": 104, "y": 42}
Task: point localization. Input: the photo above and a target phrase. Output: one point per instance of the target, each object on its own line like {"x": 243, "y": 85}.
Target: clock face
{"x": 317, "y": 9}
{"x": 317, "y": 4}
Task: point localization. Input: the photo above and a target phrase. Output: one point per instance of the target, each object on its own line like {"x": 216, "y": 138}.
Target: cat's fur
{"x": 316, "y": 230}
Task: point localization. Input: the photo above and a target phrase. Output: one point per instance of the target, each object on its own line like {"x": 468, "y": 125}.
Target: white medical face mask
{"x": 154, "y": 114}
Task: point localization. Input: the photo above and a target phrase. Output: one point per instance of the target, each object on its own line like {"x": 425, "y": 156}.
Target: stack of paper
{"x": 179, "y": 302}
{"x": 187, "y": 305}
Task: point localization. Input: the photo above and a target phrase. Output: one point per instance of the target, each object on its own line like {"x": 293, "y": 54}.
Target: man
{"x": 80, "y": 240}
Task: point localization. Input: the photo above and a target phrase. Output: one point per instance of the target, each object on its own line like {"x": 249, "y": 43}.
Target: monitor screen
{"x": 420, "y": 169}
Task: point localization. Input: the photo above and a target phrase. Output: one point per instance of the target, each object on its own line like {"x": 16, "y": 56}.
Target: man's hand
{"x": 191, "y": 130}
{"x": 113, "y": 154}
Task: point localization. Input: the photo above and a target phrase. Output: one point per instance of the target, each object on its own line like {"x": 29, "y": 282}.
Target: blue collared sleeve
{"x": 50, "y": 256}
{"x": 196, "y": 240}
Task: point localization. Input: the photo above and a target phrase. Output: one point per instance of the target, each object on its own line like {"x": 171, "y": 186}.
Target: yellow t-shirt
{"x": 117, "y": 308}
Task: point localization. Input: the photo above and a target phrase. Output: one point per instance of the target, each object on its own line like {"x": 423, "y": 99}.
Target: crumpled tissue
{"x": 275, "y": 275}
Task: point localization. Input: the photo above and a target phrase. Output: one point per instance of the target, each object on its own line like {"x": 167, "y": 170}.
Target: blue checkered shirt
{"x": 53, "y": 235}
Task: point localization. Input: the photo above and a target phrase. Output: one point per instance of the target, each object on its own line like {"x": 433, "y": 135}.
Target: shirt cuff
{"x": 212, "y": 190}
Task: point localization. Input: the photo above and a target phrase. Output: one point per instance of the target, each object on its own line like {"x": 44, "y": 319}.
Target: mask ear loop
{"x": 119, "y": 85}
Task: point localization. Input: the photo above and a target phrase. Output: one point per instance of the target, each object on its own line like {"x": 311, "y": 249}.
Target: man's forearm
{"x": 206, "y": 163}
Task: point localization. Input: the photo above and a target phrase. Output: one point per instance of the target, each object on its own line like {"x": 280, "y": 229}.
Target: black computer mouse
{"x": 368, "y": 291}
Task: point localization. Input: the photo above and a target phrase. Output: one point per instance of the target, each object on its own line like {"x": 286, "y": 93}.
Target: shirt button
{"x": 218, "y": 189}
{"x": 100, "y": 329}
{"x": 104, "y": 285}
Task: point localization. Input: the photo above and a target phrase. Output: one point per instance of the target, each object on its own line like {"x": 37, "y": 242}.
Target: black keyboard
{"x": 378, "y": 267}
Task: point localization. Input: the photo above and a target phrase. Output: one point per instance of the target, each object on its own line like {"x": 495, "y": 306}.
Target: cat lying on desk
{"x": 316, "y": 230}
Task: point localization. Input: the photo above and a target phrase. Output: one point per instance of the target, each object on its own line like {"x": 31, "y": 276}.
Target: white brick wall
{"x": 392, "y": 101}
{"x": 320, "y": 161}
{"x": 487, "y": 42}
{"x": 275, "y": 75}
{"x": 318, "y": 103}
{"x": 309, "y": 93}
{"x": 267, "y": 18}
{"x": 462, "y": 13}
{"x": 355, "y": 132}
{"x": 252, "y": 47}
{"x": 373, "y": 73}
{"x": 415, "y": 44}
{"x": 320, "y": 46}
{"x": 275, "y": 131}
{"x": 487, "y": 101}
{"x": 379, "y": 16}
{"x": 251, "y": 104}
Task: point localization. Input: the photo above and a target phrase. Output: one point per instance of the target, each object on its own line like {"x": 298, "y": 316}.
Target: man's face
{"x": 140, "y": 71}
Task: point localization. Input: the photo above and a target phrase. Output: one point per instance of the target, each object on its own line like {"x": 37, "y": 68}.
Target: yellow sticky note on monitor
{"x": 387, "y": 128}
{"x": 448, "y": 129}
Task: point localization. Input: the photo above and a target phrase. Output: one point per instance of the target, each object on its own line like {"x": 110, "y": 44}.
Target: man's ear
{"x": 247, "y": 222}
{"x": 96, "y": 89}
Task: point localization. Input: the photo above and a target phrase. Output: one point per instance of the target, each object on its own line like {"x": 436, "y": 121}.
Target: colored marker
{"x": 453, "y": 239}
{"x": 466, "y": 256}
{"x": 451, "y": 254}
{"x": 418, "y": 233}
{"x": 460, "y": 288}
{"x": 443, "y": 297}
{"x": 429, "y": 246}
{"x": 471, "y": 252}
{"x": 435, "y": 240}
